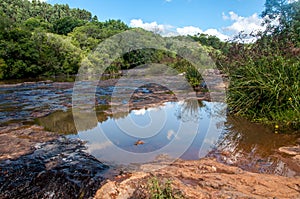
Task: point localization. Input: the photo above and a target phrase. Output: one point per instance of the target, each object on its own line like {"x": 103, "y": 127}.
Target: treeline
{"x": 40, "y": 39}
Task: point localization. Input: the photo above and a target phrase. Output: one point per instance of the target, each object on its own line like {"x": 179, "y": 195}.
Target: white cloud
{"x": 246, "y": 24}
{"x": 215, "y": 32}
{"x": 99, "y": 146}
{"x": 189, "y": 30}
{"x": 168, "y": 30}
{"x": 171, "y": 134}
{"x": 153, "y": 26}
{"x": 168, "y": 1}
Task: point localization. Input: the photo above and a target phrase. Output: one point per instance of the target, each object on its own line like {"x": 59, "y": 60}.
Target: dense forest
{"x": 40, "y": 39}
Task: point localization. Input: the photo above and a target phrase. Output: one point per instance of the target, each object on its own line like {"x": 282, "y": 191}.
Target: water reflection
{"x": 113, "y": 140}
{"x": 176, "y": 129}
{"x": 207, "y": 132}
{"x": 254, "y": 147}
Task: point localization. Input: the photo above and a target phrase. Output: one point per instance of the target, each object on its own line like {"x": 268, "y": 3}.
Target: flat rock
{"x": 203, "y": 178}
{"x": 17, "y": 140}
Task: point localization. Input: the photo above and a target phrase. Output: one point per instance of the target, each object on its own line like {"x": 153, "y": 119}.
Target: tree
{"x": 286, "y": 13}
{"x": 66, "y": 25}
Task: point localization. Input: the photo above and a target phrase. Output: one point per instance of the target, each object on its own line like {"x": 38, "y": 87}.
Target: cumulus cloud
{"x": 168, "y": 30}
{"x": 152, "y": 26}
{"x": 189, "y": 30}
{"x": 243, "y": 24}
{"x": 247, "y": 25}
{"x": 217, "y": 33}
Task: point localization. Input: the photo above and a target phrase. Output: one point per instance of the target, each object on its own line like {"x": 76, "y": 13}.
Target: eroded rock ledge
{"x": 203, "y": 178}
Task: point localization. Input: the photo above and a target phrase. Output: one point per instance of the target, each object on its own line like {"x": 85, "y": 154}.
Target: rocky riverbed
{"x": 39, "y": 163}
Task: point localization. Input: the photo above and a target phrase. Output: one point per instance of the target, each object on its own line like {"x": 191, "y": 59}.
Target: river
{"x": 152, "y": 125}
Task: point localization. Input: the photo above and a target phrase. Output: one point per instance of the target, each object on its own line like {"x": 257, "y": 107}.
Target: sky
{"x": 222, "y": 18}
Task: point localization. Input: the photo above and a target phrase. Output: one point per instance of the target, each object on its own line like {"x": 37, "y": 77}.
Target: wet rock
{"x": 17, "y": 140}
{"x": 204, "y": 178}
{"x": 29, "y": 100}
{"x": 56, "y": 169}
{"x": 139, "y": 142}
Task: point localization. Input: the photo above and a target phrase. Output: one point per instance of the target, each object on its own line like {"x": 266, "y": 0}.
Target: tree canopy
{"x": 38, "y": 38}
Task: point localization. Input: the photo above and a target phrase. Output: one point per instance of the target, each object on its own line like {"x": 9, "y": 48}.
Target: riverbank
{"x": 200, "y": 179}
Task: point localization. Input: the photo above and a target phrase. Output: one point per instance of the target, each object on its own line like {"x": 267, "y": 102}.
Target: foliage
{"x": 88, "y": 36}
{"x": 21, "y": 10}
{"x": 280, "y": 10}
{"x": 265, "y": 75}
{"x": 40, "y": 39}
{"x": 267, "y": 89}
{"x": 66, "y": 25}
{"x": 162, "y": 190}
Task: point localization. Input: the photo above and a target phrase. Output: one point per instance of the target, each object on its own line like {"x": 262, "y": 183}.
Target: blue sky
{"x": 223, "y": 18}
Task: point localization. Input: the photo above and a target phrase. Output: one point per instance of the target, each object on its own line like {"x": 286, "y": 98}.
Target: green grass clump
{"x": 162, "y": 190}
{"x": 267, "y": 89}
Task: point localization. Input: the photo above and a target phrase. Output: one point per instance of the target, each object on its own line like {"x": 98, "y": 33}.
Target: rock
{"x": 139, "y": 142}
{"x": 204, "y": 178}
{"x": 122, "y": 190}
{"x": 17, "y": 140}
{"x": 57, "y": 169}
{"x": 294, "y": 150}
{"x": 296, "y": 157}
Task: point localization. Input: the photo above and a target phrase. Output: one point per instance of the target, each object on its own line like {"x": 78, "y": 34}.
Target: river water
{"x": 188, "y": 129}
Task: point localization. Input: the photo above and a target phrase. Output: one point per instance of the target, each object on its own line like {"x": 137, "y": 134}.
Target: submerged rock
{"x": 139, "y": 142}
{"x": 56, "y": 169}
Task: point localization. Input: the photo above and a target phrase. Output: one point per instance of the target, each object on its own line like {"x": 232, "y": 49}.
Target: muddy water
{"x": 255, "y": 148}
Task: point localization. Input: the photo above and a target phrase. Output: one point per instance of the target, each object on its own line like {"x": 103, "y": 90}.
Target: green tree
{"x": 66, "y": 25}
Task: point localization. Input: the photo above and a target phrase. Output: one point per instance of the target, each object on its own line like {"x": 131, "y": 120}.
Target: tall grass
{"x": 267, "y": 89}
